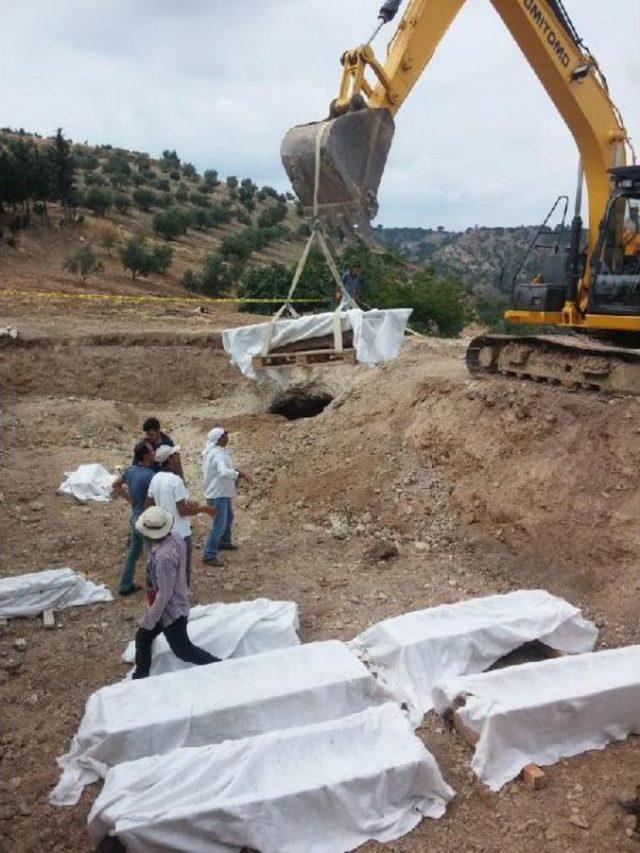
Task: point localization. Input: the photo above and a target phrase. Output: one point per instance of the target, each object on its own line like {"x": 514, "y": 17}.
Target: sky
{"x": 477, "y": 142}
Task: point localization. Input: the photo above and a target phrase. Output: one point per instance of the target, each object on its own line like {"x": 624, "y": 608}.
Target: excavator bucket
{"x": 353, "y": 152}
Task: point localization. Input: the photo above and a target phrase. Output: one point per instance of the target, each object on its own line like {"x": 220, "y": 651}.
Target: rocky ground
{"x": 415, "y": 486}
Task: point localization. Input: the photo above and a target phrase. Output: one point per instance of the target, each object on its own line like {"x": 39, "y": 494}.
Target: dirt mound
{"x": 414, "y": 486}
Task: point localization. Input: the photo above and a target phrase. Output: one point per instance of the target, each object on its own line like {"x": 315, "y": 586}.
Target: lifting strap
{"x": 315, "y": 236}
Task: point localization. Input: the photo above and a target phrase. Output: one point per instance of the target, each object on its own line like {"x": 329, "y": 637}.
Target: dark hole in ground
{"x": 294, "y": 406}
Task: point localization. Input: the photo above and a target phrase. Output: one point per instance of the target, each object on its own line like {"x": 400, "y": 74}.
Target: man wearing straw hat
{"x": 167, "y": 593}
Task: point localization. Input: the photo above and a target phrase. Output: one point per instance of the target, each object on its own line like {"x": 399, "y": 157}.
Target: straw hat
{"x": 154, "y": 523}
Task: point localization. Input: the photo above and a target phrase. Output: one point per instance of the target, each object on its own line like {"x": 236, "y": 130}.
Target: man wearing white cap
{"x": 167, "y": 593}
{"x": 220, "y": 478}
{"x": 168, "y": 491}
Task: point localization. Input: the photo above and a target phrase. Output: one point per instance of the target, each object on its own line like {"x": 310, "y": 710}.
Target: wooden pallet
{"x": 532, "y": 776}
{"x": 304, "y": 357}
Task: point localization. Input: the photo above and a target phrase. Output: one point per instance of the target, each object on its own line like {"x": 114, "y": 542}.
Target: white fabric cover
{"x": 50, "y": 589}
{"x": 541, "y": 712}
{"x": 209, "y": 704}
{"x": 230, "y": 630}
{"x": 322, "y": 788}
{"x": 90, "y": 482}
{"x": 415, "y": 651}
{"x": 377, "y": 336}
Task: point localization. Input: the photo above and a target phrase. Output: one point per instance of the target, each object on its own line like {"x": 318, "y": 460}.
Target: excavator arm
{"x": 355, "y": 140}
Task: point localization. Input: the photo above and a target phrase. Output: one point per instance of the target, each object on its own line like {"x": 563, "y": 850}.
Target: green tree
{"x": 136, "y": 257}
{"x": 98, "y": 200}
{"x": 182, "y": 194}
{"x": 272, "y": 215}
{"x": 83, "y": 263}
{"x": 189, "y": 171}
{"x": 238, "y": 245}
{"x": 145, "y": 199}
{"x": 210, "y": 179}
{"x": 62, "y": 171}
{"x": 171, "y": 223}
{"x": 162, "y": 256}
{"x": 215, "y": 279}
{"x": 121, "y": 203}
{"x": 232, "y": 182}
{"x": 190, "y": 281}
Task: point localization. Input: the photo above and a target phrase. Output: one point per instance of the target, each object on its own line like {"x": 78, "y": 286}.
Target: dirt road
{"x": 483, "y": 486}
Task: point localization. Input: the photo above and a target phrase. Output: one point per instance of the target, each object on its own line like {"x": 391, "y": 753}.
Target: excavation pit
{"x": 296, "y": 406}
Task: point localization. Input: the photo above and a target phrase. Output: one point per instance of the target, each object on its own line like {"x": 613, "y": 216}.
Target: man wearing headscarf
{"x": 219, "y": 485}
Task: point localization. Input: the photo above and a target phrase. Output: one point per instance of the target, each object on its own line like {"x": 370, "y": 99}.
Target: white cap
{"x": 165, "y": 451}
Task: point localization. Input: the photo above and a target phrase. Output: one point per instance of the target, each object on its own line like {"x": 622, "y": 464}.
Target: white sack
{"x": 538, "y": 713}
{"x": 377, "y": 336}
{"x": 208, "y": 704}
{"x": 88, "y": 483}
{"x": 229, "y": 630}
{"x": 322, "y": 788}
{"x": 50, "y": 589}
{"x": 415, "y": 651}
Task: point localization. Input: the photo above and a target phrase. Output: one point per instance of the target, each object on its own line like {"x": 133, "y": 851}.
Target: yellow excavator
{"x": 336, "y": 165}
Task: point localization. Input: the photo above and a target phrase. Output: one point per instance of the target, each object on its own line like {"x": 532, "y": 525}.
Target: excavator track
{"x": 566, "y": 361}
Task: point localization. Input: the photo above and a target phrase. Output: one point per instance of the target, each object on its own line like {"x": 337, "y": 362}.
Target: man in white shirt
{"x": 168, "y": 491}
{"x": 219, "y": 482}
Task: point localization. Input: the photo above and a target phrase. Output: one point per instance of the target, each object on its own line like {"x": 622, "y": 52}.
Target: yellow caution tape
{"x": 54, "y": 294}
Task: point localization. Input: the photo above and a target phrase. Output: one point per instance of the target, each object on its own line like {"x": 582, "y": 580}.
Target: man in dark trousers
{"x": 167, "y": 594}
{"x": 352, "y": 282}
{"x": 133, "y": 485}
{"x": 156, "y": 438}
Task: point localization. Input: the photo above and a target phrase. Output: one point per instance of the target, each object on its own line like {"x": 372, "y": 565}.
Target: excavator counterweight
{"x": 352, "y": 151}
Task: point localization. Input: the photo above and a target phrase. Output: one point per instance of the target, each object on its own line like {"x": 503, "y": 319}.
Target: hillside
{"x": 110, "y": 195}
{"x": 485, "y": 258}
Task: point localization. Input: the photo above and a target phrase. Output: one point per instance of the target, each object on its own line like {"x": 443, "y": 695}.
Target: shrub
{"x": 109, "y": 240}
{"x": 144, "y": 199}
{"x": 190, "y": 280}
{"x": 239, "y": 245}
{"x": 214, "y": 280}
{"x": 272, "y": 215}
{"x": 83, "y": 263}
{"x": 211, "y": 179}
{"x": 135, "y": 257}
{"x": 303, "y": 230}
{"x": 94, "y": 179}
{"x": 232, "y": 182}
{"x": 171, "y": 223}
{"x": 199, "y": 199}
{"x": 219, "y": 214}
{"x": 439, "y": 304}
{"x": 182, "y": 194}
{"x": 273, "y": 282}
{"x": 162, "y": 256}
{"x": 98, "y": 200}
{"x": 121, "y": 203}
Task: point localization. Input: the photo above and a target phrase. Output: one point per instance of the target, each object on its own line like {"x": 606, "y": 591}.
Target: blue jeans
{"x": 136, "y": 546}
{"x": 220, "y": 533}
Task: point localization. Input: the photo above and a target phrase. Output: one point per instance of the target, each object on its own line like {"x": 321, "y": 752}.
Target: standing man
{"x": 167, "y": 593}
{"x": 156, "y": 438}
{"x": 352, "y": 282}
{"x": 133, "y": 485}
{"x": 219, "y": 480}
{"x": 168, "y": 491}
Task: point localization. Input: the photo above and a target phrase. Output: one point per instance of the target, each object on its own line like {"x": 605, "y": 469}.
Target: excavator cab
{"x": 615, "y": 284}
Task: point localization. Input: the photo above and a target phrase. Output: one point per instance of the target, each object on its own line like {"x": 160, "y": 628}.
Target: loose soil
{"x": 483, "y": 487}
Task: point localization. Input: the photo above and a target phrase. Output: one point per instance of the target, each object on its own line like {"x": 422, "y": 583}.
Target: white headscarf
{"x": 213, "y": 438}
